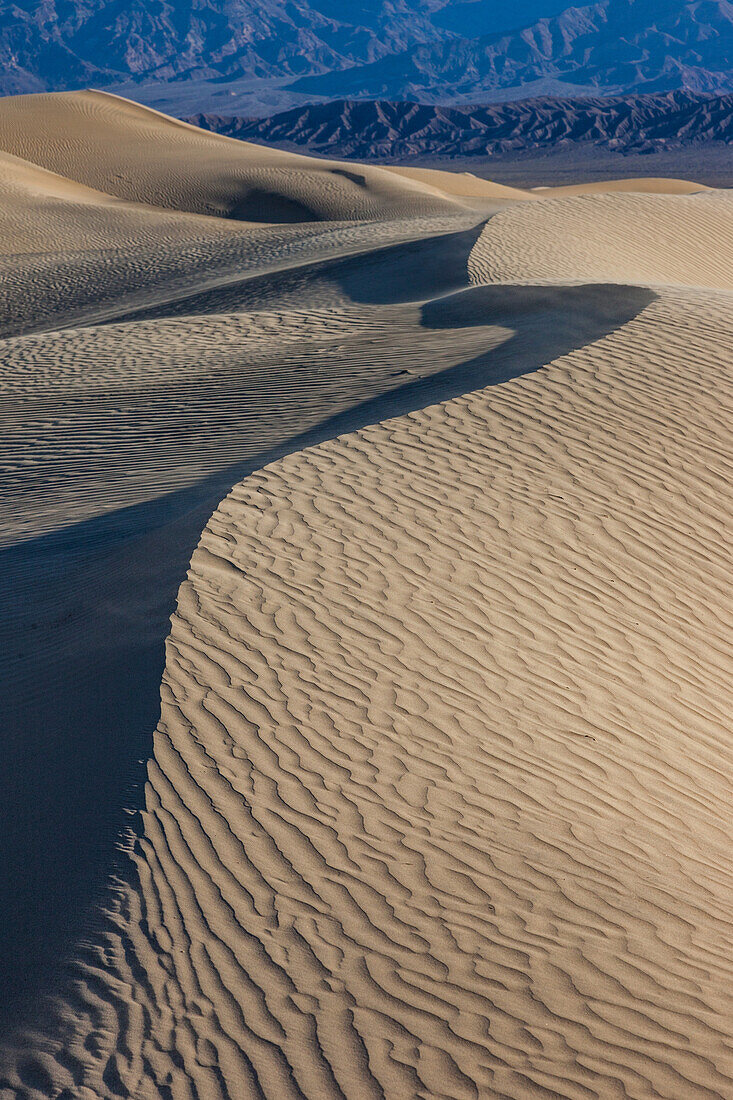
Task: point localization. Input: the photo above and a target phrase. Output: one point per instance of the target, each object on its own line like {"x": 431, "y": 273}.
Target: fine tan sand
{"x": 649, "y": 185}
{"x": 366, "y": 657}
{"x": 138, "y": 154}
{"x": 464, "y": 184}
{"x": 42, "y": 212}
{"x": 681, "y": 240}
{"x": 467, "y": 185}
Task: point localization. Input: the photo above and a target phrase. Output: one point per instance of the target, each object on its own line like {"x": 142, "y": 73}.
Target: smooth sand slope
{"x": 654, "y": 239}
{"x": 140, "y": 155}
{"x": 438, "y": 802}
{"x": 464, "y": 184}
{"x": 467, "y": 185}
{"x": 644, "y": 186}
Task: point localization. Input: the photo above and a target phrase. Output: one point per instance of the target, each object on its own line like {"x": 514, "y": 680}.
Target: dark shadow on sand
{"x": 85, "y": 614}
{"x": 404, "y": 272}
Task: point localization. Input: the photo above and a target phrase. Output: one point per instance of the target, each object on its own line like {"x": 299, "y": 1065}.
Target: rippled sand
{"x": 425, "y": 788}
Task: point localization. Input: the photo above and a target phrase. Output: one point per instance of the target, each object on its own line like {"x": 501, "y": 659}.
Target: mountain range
{"x": 610, "y": 46}
{"x": 383, "y": 130}
{"x": 275, "y": 53}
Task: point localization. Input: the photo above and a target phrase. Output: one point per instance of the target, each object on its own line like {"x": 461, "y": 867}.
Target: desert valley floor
{"x": 365, "y": 586}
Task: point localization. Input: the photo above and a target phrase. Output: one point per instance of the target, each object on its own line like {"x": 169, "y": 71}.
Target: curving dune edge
{"x": 438, "y": 802}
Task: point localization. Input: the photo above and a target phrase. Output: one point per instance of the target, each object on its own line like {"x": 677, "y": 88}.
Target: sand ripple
{"x": 625, "y": 238}
{"x": 439, "y": 803}
{"x": 441, "y": 794}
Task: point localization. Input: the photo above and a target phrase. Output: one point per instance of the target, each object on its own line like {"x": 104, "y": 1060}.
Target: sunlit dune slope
{"x": 464, "y": 184}
{"x": 645, "y": 185}
{"x": 652, "y": 239}
{"x": 439, "y": 804}
{"x": 136, "y": 153}
{"x": 365, "y": 590}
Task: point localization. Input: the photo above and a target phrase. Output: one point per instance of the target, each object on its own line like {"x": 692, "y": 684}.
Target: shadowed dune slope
{"x": 440, "y": 797}
{"x": 116, "y": 444}
{"x": 434, "y": 800}
{"x": 42, "y": 212}
{"x": 108, "y": 206}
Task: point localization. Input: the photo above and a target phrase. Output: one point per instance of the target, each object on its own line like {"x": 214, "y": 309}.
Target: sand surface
{"x": 648, "y": 186}
{"x": 365, "y": 598}
{"x": 671, "y": 240}
{"x": 461, "y": 183}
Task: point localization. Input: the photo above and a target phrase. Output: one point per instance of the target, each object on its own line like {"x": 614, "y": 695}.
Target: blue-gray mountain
{"x": 381, "y": 130}
{"x": 428, "y": 50}
{"x": 612, "y": 46}
{"x": 59, "y": 44}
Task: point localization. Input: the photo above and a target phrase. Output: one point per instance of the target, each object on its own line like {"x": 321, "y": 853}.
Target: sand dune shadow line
{"x": 81, "y": 692}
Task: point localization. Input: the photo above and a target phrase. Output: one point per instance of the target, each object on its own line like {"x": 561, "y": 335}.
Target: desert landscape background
{"x": 364, "y": 576}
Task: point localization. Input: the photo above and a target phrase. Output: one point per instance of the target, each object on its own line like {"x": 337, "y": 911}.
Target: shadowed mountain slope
{"x": 610, "y": 46}
{"x": 273, "y": 54}
{"x": 383, "y": 129}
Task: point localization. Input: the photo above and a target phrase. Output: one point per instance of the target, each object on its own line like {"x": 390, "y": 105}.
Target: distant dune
{"x": 617, "y": 237}
{"x": 106, "y": 142}
{"x": 364, "y": 588}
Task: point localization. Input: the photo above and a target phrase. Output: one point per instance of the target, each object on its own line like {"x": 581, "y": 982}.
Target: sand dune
{"x": 140, "y": 155}
{"x": 138, "y": 409}
{"x": 464, "y": 184}
{"x": 42, "y": 213}
{"x": 631, "y": 238}
{"x": 114, "y": 205}
{"x": 437, "y": 798}
{"x": 641, "y": 186}
{"x": 467, "y": 185}
{"x": 434, "y": 799}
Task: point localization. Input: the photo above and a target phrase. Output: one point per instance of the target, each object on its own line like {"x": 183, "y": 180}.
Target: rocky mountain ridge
{"x": 276, "y": 53}
{"x": 385, "y": 130}
{"x": 611, "y": 46}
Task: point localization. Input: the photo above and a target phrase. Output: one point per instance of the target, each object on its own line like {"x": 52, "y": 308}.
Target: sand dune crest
{"x": 137, "y": 154}
{"x": 626, "y": 238}
{"x": 434, "y": 799}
